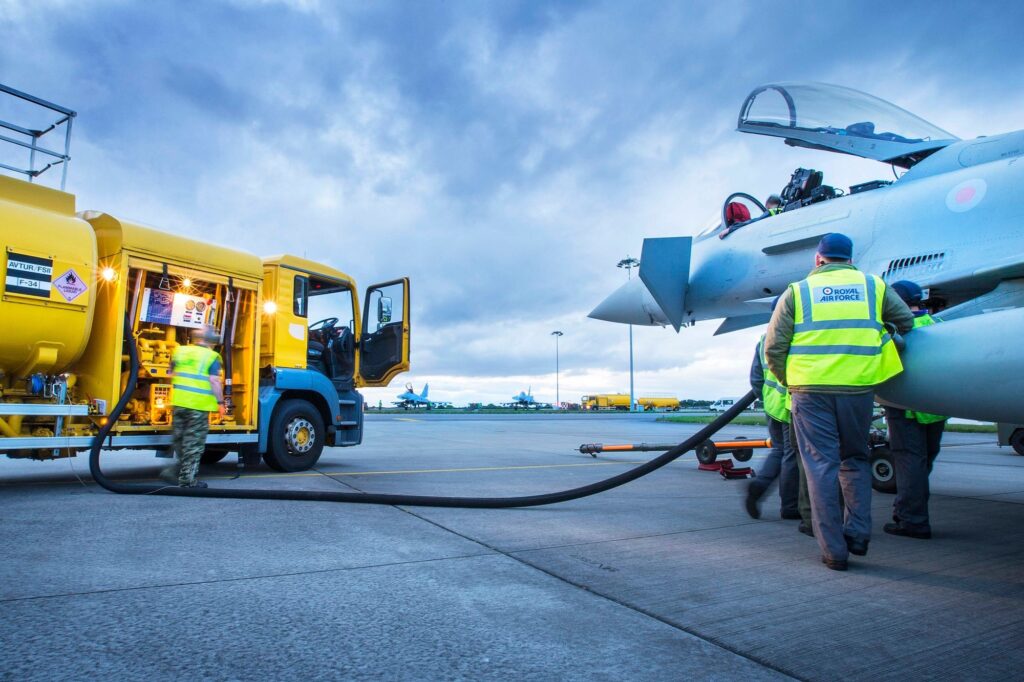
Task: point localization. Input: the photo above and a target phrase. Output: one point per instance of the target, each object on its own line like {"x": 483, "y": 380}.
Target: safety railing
{"x": 30, "y": 139}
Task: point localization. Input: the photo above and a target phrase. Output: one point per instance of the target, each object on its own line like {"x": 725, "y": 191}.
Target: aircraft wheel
{"x": 744, "y": 454}
{"x": 297, "y": 437}
{"x": 883, "y": 470}
{"x": 706, "y": 452}
{"x": 1017, "y": 441}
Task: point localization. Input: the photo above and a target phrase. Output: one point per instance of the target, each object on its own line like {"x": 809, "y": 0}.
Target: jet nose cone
{"x": 630, "y": 304}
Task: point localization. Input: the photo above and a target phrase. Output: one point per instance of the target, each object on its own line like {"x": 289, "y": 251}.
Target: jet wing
{"x": 734, "y": 324}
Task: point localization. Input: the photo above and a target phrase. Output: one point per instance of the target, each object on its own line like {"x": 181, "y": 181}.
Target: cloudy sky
{"x": 505, "y": 155}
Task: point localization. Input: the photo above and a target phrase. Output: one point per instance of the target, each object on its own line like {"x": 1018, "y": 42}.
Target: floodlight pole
{"x": 630, "y": 263}
{"x": 558, "y": 399}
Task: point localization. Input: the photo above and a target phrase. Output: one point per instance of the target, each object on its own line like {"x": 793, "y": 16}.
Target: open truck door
{"x": 384, "y": 342}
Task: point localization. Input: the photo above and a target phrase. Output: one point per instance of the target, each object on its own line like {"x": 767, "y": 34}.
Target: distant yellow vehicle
{"x": 620, "y": 401}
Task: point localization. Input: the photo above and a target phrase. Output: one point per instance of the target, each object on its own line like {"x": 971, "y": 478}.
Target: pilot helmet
{"x": 774, "y": 199}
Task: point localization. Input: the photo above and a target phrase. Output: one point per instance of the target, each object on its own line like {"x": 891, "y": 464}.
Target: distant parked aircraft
{"x": 411, "y": 399}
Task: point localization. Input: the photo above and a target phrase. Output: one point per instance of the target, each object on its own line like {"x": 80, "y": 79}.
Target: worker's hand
{"x": 221, "y": 410}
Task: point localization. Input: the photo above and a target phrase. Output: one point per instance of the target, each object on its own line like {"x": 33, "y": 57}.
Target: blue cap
{"x": 909, "y": 291}
{"x": 836, "y": 245}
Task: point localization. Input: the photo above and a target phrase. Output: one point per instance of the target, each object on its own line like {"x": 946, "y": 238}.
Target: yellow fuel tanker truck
{"x": 295, "y": 343}
{"x": 620, "y": 401}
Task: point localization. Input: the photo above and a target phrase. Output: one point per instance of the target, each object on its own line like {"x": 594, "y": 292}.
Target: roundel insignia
{"x": 827, "y": 291}
{"x": 966, "y": 195}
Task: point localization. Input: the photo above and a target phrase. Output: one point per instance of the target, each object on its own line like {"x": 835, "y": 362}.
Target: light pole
{"x": 558, "y": 399}
{"x": 630, "y": 263}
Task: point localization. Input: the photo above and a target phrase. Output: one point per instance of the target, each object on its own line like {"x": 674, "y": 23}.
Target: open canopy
{"x": 838, "y": 119}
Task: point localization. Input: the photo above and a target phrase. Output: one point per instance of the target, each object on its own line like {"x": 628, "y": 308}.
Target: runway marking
{"x": 299, "y": 474}
{"x": 407, "y": 419}
{"x": 332, "y": 474}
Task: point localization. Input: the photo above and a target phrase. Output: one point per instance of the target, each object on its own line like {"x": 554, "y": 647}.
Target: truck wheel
{"x": 297, "y": 437}
{"x": 213, "y": 455}
{"x": 883, "y": 471}
{"x": 1017, "y": 441}
{"x": 706, "y": 452}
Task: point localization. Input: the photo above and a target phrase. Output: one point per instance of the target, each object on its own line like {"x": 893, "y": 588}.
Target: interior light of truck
{"x": 269, "y": 307}
{"x": 108, "y": 274}
{"x": 186, "y": 283}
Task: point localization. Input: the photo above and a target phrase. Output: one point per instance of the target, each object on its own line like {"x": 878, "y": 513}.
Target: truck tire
{"x": 1017, "y": 441}
{"x": 213, "y": 455}
{"x": 297, "y": 437}
{"x": 883, "y": 470}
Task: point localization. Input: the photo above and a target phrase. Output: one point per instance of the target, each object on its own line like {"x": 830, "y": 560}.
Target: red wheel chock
{"x": 727, "y": 470}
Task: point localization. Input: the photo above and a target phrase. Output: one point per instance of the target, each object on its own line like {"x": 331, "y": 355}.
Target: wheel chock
{"x": 726, "y": 468}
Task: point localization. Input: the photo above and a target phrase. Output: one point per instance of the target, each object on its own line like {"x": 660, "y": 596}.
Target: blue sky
{"x": 505, "y": 155}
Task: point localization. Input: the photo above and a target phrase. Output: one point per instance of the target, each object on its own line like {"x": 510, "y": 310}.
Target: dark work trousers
{"x": 779, "y": 464}
{"x": 804, "y": 500}
{"x": 914, "y": 447}
{"x": 832, "y": 435}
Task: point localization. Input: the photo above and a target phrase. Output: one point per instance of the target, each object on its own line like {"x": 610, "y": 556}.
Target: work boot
{"x": 791, "y": 515}
{"x": 196, "y": 484}
{"x": 897, "y": 529}
{"x": 856, "y": 545}
{"x": 806, "y": 529}
{"x": 751, "y": 500}
{"x": 835, "y": 564}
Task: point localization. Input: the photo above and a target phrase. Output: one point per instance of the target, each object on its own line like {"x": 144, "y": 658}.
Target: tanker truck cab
{"x": 316, "y": 348}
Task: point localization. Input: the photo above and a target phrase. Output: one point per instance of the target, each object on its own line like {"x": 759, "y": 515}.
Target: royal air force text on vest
{"x": 850, "y": 294}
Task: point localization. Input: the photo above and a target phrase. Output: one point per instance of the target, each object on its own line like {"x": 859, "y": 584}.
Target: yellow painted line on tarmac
{"x": 394, "y": 472}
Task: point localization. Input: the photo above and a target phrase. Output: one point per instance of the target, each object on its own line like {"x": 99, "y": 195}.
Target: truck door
{"x": 384, "y": 343}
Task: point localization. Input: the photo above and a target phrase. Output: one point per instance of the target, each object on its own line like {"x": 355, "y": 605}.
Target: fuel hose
{"x": 382, "y": 498}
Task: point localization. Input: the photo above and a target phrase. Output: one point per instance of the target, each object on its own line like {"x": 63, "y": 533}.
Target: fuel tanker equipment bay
{"x": 296, "y": 345}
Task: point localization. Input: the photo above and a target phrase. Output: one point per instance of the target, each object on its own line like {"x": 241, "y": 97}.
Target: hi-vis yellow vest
{"x": 772, "y": 393}
{"x": 838, "y": 336}
{"x": 924, "y": 417}
{"x": 191, "y": 378}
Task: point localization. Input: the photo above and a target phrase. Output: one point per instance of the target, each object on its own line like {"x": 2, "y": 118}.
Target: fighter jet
{"x": 953, "y": 222}
{"x": 524, "y": 400}
{"x": 411, "y": 399}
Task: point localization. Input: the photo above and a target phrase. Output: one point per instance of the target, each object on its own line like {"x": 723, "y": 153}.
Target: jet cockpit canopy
{"x": 838, "y": 119}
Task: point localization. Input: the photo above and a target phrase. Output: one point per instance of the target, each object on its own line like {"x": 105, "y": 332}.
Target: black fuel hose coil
{"x": 384, "y": 498}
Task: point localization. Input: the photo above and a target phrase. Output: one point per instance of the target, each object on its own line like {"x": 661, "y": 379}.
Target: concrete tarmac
{"x": 664, "y": 578}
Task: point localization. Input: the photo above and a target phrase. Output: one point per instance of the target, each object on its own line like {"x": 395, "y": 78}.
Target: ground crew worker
{"x": 915, "y": 439}
{"x": 781, "y": 460}
{"x": 827, "y": 342}
{"x": 773, "y": 204}
{"x": 197, "y": 390}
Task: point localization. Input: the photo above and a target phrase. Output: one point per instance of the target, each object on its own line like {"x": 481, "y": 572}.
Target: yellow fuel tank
{"x": 50, "y": 277}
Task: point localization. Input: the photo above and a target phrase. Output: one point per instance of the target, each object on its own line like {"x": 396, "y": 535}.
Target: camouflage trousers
{"x": 190, "y": 429}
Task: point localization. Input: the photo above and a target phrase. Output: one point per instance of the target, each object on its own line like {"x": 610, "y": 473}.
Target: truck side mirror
{"x": 383, "y": 310}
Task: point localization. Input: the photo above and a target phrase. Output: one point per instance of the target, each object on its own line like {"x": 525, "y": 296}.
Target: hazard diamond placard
{"x": 70, "y": 285}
